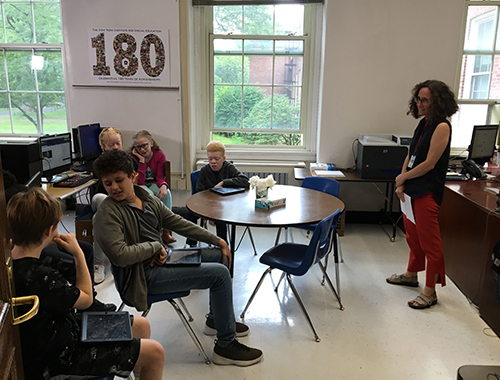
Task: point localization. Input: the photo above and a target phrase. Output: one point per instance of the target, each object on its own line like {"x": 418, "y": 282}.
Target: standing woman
{"x": 151, "y": 175}
{"x": 422, "y": 179}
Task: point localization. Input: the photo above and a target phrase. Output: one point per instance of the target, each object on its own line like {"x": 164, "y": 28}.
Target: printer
{"x": 381, "y": 156}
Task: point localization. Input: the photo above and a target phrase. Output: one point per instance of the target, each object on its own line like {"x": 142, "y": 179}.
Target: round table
{"x": 303, "y": 206}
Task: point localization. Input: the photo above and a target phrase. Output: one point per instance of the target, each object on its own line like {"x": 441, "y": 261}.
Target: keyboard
{"x": 76, "y": 180}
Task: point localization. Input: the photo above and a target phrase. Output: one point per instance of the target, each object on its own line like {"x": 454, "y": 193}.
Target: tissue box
{"x": 269, "y": 203}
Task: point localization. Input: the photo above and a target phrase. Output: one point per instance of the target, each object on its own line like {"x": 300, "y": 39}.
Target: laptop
{"x": 227, "y": 190}
{"x": 102, "y": 326}
{"x": 183, "y": 256}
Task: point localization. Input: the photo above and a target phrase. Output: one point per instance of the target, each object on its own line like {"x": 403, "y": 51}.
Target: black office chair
{"x": 296, "y": 259}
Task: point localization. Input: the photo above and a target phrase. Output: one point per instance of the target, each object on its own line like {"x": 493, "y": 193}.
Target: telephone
{"x": 473, "y": 169}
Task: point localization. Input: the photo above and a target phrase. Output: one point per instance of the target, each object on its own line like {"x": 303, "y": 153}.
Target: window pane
{"x": 19, "y": 28}
{"x": 286, "y": 114}
{"x": 50, "y": 78}
{"x": 259, "y": 70}
{"x": 463, "y": 121}
{"x": 260, "y": 114}
{"x": 227, "y": 46}
{"x": 258, "y": 47}
{"x": 20, "y": 75}
{"x": 48, "y": 23}
{"x": 53, "y": 113}
{"x": 228, "y": 20}
{"x": 258, "y": 19}
{"x": 288, "y": 70}
{"x": 289, "y": 47}
{"x": 227, "y": 106}
{"x": 479, "y": 30}
{"x": 4, "y": 114}
{"x": 289, "y": 20}
{"x": 227, "y": 69}
{"x": 264, "y": 139}
{"x": 24, "y": 112}
{"x": 3, "y": 83}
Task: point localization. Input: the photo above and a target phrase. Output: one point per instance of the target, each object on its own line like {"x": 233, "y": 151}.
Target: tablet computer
{"x": 183, "y": 256}
{"x": 227, "y": 190}
{"x": 102, "y": 326}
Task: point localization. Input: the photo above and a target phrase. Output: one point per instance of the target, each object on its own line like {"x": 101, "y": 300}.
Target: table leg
{"x": 232, "y": 247}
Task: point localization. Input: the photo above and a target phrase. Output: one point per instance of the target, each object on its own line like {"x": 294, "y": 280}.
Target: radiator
{"x": 280, "y": 178}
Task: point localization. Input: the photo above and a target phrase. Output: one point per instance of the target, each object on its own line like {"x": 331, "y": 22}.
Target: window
{"x": 31, "y": 77}
{"x": 479, "y": 86}
{"x": 260, "y": 77}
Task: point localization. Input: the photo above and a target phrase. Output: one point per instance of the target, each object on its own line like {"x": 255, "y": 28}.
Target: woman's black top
{"x": 434, "y": 180}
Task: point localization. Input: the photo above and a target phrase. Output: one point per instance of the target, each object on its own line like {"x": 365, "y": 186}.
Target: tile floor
{"x": 377, "y": 336}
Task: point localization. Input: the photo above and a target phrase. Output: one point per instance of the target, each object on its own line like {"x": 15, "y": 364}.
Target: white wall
{"x": 130, "y": 110}
{"x": 375, "y": 52}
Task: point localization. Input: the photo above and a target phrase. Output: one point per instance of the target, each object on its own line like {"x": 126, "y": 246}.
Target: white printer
{"x": 381, "y": 156}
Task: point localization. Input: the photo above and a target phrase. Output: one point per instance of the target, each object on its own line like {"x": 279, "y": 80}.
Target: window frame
{"x": 309, "y": 117}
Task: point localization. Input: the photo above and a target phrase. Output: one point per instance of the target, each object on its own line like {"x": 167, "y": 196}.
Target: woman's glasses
{"x": 422, "y": 100}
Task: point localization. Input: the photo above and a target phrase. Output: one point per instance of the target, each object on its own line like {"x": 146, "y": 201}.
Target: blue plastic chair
{"x": 329, "y": 186}
{"x": 296, "y": 259}
{"x": 170, "y": 297}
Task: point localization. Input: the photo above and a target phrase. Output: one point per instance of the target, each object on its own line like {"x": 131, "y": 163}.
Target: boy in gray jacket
{"x": 128, "y": 228}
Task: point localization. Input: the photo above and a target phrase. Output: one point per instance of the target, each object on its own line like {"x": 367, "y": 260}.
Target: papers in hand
{"x": 407, "y": 209}
{"x": 329, "y": 173}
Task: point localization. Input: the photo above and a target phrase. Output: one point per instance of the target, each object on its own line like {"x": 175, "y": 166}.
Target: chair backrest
{"x": 324, "y": 184}
{"x": 194, "y": 179}
{"x": 167, "y": 174}
{"x": 320, "y": 242}
{"x": 116, "y": 275}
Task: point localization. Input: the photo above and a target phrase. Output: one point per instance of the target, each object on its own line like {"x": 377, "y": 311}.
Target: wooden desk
{"x": 470, "y": 227}
{"x": 303, "y": 206}
{"x": 65, "y": 192}
{"x": 388, "y": 193}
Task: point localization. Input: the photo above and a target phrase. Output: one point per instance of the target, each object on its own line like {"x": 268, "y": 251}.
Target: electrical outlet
{"x": 181, "y": 184}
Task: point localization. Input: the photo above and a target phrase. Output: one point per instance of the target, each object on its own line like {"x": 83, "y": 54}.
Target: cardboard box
{"x": 270, "y": 203}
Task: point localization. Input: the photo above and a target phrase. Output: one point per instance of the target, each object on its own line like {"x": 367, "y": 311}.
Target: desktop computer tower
{"x": 22, "y": 159}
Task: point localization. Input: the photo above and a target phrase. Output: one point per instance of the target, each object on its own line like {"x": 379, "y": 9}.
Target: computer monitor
{"x": 483, "y": 143}
{"x": 55, "y": 153}
{"x": 88, "y": 136}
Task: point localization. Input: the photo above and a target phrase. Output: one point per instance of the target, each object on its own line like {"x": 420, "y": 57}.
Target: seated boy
{"x": 57, "y": 258}
{"x": 219, "y": 173}
{"x": 128, "y": 227}
{"x": 51, "y": 339}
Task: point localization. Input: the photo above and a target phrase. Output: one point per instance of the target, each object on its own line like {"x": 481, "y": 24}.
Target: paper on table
{"x": 329, "y": 173}
{"x": 407, "y": 209}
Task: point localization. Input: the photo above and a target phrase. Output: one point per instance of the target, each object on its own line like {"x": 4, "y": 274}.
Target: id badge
{"x": 412, "y": 161}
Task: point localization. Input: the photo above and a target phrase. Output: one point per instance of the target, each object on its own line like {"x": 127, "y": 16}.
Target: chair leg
{"x": 331, "y": 285}
{"x": 190, "y": 330}
{"x": 326, "y": 266}
{"x": 183, "y": 305}
{"x": 279, "y": 282}
{"x": 268, "y": 270}
{"x": 146, "y": 312}
{"x": 337, "y": 237}
{"x": 296, "y": 294}
{"x": 121, "y": 306}
{"x": 276, "y": 242}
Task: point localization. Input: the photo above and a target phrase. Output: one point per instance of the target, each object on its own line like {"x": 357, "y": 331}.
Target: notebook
{"x": 183, "y": 256}
{"x": 102, "y": 326}
{"x": 227, "y": 190}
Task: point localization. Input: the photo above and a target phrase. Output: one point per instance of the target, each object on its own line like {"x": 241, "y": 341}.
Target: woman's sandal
{"x": 423, "y": 301}
{"x": 400, "y": 279}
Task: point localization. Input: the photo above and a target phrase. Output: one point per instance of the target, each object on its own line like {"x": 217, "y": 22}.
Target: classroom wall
{"x": 374, "y": 53}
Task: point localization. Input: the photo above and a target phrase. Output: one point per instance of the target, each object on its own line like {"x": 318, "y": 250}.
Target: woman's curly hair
{"x": 443, "y": 101}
